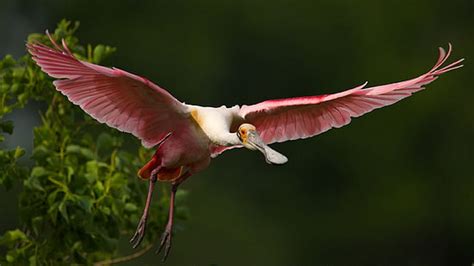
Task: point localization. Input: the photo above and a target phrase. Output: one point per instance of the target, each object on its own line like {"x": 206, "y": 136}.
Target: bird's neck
{"x": 229, "y": 139}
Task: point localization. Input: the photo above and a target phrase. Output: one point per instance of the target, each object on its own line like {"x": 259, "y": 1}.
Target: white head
{"x": 251, "y": 140}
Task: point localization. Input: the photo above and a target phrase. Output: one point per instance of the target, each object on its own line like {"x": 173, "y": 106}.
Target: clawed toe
{"x": 139, "y": 233}
{"x": 165, "y": 243}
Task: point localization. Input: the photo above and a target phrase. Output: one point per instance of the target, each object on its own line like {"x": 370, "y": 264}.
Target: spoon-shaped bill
{"x": 271, "y": 156}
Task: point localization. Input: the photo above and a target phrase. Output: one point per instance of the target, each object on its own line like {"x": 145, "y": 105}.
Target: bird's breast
{"x": 214, "y": 122}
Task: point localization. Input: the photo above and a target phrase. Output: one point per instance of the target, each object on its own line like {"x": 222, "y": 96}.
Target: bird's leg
{"x": 165, "y": 241}
{"x": 140, "y": 232}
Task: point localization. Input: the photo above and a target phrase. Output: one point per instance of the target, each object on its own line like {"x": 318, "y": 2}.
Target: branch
{"x": 125, "y": 258}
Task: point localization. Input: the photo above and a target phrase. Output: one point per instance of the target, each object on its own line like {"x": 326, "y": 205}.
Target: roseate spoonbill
{"x": 187, "y": 136}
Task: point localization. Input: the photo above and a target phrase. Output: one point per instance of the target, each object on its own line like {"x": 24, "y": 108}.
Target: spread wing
{"x": 120, "y": 99}
{"x": 303, "y": 117}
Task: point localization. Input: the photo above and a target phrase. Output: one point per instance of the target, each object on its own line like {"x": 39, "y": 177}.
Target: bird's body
{"x": 216, "y": 122}
{"x": 191, "y": 146}
{"x": 186, "y": 136}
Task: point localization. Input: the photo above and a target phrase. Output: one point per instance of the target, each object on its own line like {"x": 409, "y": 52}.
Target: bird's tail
{"x": 145, "y": 171}
{"x": 164, "y": 174}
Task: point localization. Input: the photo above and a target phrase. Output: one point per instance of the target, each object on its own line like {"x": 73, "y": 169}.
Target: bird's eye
{"x": 243, "y": 131}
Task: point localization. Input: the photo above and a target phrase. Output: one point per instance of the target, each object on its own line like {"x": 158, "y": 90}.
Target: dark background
{"x": 395, "y": 187}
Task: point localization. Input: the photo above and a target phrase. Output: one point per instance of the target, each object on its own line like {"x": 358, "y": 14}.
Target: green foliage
{"x": 82, "y": 193}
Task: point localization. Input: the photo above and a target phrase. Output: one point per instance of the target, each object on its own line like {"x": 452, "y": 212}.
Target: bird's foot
{"x": 165, "y": 242}
{"x": 139, "y": 233}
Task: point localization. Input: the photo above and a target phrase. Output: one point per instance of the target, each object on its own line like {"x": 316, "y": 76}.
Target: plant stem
{"x": 125, "y": 258}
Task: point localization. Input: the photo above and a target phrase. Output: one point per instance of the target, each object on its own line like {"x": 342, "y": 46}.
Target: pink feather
{"x": 303, "y": 117}
{"x": 113, "y": 96}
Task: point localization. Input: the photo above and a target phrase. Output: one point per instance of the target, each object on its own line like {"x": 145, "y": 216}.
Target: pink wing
{"x": 120, "y": 99}
{"x": 303, "y": 117}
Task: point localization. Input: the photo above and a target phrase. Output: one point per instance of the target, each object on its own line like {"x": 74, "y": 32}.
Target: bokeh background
{"x": 395, "y": 187}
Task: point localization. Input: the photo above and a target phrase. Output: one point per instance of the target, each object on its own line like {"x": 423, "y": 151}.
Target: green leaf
{"x": 32, "y": 260}
{"x": 105, "y": 210}
{"x": 10, "y": 258}
{"x": 105, "y": 142}
{"x": 99, "y": 187}
{"x": 76, "y": 149}
{"x": 70, "y": 173}
{"x": 99, "y": 52}
{"x": 53, "y": 212}
{"x": 77, "y": 245}
{"x": 52, "y": 197}
{"x": 38, "y": 171}
{"x": 41, "y": 152}
{"x": 7, "y": 126}
{"x": 36, "y": 224}
{"x": 34, "y": 184}
{"x": 63, "y": 210}
{"x": 8, "y": 61}
{"x": 13, "y": 237}
{"x": 73, "y": 149}
{"x": 15, "y": 88}
{"x": 34, "y": 37}
{"x": 130, "y": 207}
{"x": 19, "y": 152}
{"x": 76, "y": 197}
{"x": 85, "y": 203}
{"x": 59, "y": 184}
{"x": 23, "y": 98}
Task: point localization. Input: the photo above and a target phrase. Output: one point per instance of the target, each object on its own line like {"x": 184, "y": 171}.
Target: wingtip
{"x": 53, "y": 41}
{"x": 361, "y": 86}
{"x": 454, "y": 65}
{"x": 450, "y": 48}
{"x": 31, "y": 48}
{"x": 443, "y": 56}
{"x": 441, "y": 51}
{"x": 66, "y": 48}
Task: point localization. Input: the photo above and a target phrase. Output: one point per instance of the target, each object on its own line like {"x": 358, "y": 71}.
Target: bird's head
{"x": 251, "y": 140}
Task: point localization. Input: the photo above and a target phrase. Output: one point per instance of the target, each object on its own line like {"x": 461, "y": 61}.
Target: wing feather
{"x": 122, "y": 100}
{"x": 303, "y": 117}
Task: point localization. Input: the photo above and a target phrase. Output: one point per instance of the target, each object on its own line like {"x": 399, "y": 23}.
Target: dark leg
{"x": 168, "y": 233}
{"x": 140, "y": 232}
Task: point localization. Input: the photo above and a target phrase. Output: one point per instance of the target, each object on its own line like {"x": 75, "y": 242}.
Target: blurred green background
{"x": 395, "y": 187}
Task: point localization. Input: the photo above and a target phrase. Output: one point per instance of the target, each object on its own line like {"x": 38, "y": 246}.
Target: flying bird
{"x": 187, "y": 136}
